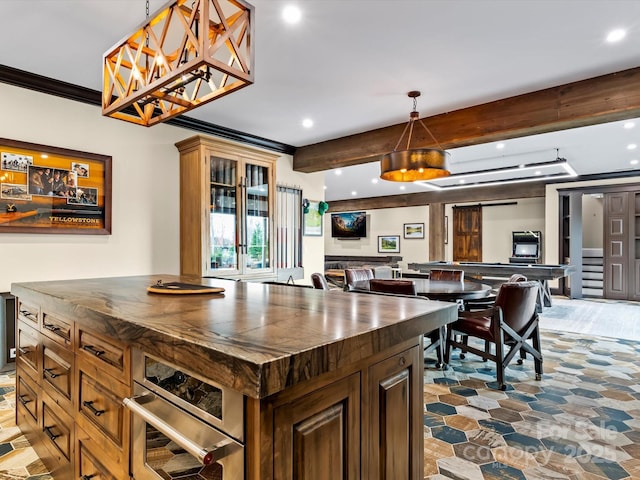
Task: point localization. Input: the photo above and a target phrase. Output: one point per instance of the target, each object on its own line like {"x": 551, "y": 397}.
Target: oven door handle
{"x": 204, "y": 455}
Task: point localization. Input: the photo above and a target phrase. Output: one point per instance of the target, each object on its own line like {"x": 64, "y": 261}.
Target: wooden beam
{"x": 607, "y": 98}
{"x": 436, "y": 231}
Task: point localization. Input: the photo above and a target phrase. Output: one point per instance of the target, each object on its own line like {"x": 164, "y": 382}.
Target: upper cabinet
{"x": 227, "y": 205}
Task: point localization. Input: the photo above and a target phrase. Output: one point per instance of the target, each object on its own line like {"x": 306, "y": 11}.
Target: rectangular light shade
{"x": 187, "y": 54}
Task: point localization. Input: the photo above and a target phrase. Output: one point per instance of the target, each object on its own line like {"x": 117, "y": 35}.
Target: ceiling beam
{"x": 607, "y": 98}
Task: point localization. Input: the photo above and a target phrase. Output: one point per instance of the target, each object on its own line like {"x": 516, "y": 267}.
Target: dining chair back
{"x": 447, "y": 275}
{"x": 399, "y": 287}
{"x": 354, "y": 275}
{"x": 319, "y": 281}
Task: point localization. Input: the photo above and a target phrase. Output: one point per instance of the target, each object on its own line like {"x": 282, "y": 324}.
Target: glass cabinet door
{"x": 257, "y": 218}
{"x": 223, "y": 222}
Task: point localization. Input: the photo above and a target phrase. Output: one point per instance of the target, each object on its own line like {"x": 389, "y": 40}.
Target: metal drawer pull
{"x": 49, "y": 433}
{"x": 52, "y": 327}
{"x": 94, "y": 410}
{"x": 27, "y": 313}
{"x": 204, "y": 455}
{"x": 49, "y": 371}
{"x": 94, "y": 350}
{"x": 22, "y": 400}
{"x": 23, "y": 351}
{"x": 88, "y": 477}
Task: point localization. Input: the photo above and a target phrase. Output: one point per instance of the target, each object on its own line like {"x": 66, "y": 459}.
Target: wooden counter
{"x": 280, "y": 346}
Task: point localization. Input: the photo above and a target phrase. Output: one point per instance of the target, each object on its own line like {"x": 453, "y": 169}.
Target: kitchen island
{"x": 313, "y": 384}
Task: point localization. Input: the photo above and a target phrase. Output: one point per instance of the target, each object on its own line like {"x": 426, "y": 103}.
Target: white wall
{"x": 384, "y": 221}
{"x": 499, "y": 222}
{"x": 145, "y": 203}
{"x": 592, "y": 221}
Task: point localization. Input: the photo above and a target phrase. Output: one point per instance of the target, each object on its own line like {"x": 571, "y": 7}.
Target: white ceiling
{"x": 349, "y": 64}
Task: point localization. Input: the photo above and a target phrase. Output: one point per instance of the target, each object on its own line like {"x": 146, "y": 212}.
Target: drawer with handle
{"x": 57, "y": 369}
{"x": 28, "y": 349}
{"x": 57, "y": 329}
{"x": 107, "y": 354}
{"x": 26, "y": 397}
{"x": 29, "y": 313}
{"x": 102, "y": 405}
{"x": 57, "y": 429}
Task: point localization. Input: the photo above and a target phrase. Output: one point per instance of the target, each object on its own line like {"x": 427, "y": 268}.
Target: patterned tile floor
{"x": 580, "y": 422}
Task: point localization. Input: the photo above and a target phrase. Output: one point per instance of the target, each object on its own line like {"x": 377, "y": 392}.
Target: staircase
{"x": 592, "y": 272}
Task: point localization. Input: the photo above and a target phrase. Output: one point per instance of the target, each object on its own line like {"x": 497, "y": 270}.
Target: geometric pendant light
{"x": 188, "y": 54}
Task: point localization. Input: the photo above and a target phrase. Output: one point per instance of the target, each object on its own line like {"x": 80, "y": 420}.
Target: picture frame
{"x": 46, "y": 189}
{"x": 312, "y": 220}
{"x": 389, "y": 244}
{"x": 414, "y": 230}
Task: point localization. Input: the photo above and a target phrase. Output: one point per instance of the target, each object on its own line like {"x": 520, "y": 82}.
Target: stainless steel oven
{"x": 183, "y": 425}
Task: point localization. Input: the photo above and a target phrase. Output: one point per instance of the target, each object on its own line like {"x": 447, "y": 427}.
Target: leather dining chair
{"x": 399, "y": 287}
{"x": 447, "y": 275}
{"x": 354, "y": 275}
{"x": 509, "y": 323}
{"x": 319, "y": 281}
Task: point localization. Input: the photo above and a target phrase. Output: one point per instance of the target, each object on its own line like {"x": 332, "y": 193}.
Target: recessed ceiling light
{"x": 307, "y": 123}
{"x": 616, "y": 35}
{"x": 291, "y": 14}
{"x": 634, "y": 162}
{"x": 500, "y": 146}
{"x": 538, "y": 172}
{"x": 402, "y": 187}
{"x": 338, "y": 172}
{"x": 354, "y": 193}
{"x": 462, "y": 181}
{"x": 374, "y": 180}
{"x": 631, "y": 146}
{"x": 325, "y": 187}
{"x": 629, "y": 125}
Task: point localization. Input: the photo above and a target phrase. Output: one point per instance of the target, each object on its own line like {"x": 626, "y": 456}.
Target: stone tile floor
{"x": 580, "y": 422}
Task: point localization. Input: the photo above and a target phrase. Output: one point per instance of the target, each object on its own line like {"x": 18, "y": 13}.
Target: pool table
{"x": 541, "y": 273}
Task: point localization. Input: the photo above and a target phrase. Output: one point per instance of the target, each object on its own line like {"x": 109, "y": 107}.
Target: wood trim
{"x": 480, "y": 194}
{"x": 70, "y": 91}
{"x": 436, "y": 230}
{"x": 607, "y": 98}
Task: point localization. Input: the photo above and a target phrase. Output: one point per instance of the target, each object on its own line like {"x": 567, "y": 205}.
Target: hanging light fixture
{"x": 410, "y": 165}
{"x": 181, "y": 58}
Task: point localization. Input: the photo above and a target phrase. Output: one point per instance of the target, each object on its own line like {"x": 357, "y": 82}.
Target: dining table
{"x": 446, "y": 290}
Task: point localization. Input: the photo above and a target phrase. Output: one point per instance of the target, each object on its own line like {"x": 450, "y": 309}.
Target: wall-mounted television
{"x": 525, "y": 250}
{"x": 349, "y": 225}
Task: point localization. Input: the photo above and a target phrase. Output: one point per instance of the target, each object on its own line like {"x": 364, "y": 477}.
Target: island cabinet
{"x": 269, "y": 382}
{"x": 227, "y": 205}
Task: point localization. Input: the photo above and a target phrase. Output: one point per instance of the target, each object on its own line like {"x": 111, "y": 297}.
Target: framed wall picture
{"x": 47, "y": 189}
{"x": 389, "y": 244}
{"x": 414, "y": 230}
{"x": 312, "y": 221}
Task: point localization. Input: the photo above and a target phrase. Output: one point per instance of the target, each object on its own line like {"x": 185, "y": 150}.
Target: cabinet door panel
{"x": 318, "y": 436}
{"x": 395, "y": 438}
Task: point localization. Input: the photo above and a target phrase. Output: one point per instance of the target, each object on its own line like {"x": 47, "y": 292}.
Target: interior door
{"x": 467, "y": 234}
{"x": 616, "y": 245}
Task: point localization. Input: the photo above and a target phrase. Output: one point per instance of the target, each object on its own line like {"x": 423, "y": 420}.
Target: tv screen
{"x": 526, "y": 250}
{"x": 349, "y": 225}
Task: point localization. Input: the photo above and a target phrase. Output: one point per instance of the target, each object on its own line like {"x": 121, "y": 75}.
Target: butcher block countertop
{"x": 256, "y": 339}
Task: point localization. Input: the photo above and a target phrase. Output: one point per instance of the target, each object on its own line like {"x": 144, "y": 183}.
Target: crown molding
{"x": 70, "y": 91}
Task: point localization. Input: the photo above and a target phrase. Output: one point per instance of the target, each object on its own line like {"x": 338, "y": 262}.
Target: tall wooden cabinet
{"x": 227, "y": 205}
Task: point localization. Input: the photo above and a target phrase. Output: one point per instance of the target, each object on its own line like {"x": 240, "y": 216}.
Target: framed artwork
{"x": 389, "y": 244}
{"x": 47, "y": 189}
{"x": 414, "y": 230}
{"x": 312, "y": 221}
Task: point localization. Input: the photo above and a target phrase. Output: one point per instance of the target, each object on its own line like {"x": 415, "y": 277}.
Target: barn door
{"x": 467, "y": 234}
